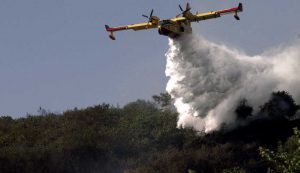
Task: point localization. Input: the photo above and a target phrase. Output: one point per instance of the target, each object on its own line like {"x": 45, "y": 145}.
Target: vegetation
{"x": 287, "y": 157}
{"x": 141, "y": 137}
{"x": 243, "y": 110}
{"x": 234, "y": 170}
{"x": 281, "y": 104}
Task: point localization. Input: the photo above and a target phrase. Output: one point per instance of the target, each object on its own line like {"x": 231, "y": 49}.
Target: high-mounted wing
{"x": 135, "y": 27}
{"x": 212, "y": 14}
{"x": 152, "y": 23}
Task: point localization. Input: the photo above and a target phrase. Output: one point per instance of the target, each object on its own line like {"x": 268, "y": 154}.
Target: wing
{"x": 205, "y": 16}
{"x": 215, "y": 14}
{"x": 179, "y": 19}
{"x": 142, "y": 26}
{"x": 198, "y": 17}
{"x": 135, "y": 27}
{"x": 211, "y": 15}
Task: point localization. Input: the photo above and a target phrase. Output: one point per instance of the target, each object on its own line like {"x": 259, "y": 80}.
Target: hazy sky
{"x": 56, "y": 53}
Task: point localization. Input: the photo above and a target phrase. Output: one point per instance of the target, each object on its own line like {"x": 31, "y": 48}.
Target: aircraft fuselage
{"x": 173, "y": 29}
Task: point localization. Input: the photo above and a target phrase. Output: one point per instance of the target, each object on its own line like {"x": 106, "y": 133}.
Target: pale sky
{"x": 57, "y": 55}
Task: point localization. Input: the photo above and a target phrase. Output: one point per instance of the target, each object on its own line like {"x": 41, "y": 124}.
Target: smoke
{"x": 207, "y": 80}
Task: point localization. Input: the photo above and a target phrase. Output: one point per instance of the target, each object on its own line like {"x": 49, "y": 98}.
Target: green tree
{"x": 163, "y": 99}
{"x": 281, "y": 104}
{"x": 243, "y": 110}
{"x": 234, "y": 170}
{"x": 287, "y": 157}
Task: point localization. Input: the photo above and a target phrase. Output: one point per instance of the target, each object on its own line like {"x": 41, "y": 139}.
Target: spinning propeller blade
{"x": 151, "y": 13}
{"x": 188, "y": 8}
{"x": 180, "y": 8}
{"x": 149, "y": 17}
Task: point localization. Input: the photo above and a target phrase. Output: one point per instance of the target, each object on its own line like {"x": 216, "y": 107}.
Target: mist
{"x": 207, "y": 80}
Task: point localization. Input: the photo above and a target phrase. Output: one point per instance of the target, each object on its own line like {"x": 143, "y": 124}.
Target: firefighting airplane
{"x": 176, "y": 26}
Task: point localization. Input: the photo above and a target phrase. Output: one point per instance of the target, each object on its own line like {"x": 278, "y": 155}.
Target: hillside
{"x": 140, "y": 137}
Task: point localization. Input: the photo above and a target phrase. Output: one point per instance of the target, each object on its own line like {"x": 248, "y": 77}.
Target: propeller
{"x": 188, "y": 8}
{"x": 149, "y": 17}
{"x": 180, "y": 8}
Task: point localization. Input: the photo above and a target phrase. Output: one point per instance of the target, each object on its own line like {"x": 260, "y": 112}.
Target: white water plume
{"x": 207, "y": 80}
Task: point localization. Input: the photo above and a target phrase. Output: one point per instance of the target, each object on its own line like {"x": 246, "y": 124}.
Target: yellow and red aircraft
{"x": 176, "y": 26}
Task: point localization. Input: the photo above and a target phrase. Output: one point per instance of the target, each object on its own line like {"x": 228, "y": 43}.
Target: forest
{"x": 142, "y": 137}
